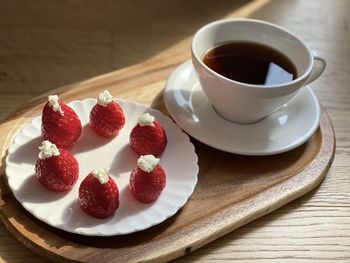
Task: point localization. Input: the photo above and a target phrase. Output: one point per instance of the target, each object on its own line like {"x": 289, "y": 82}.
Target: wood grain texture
{"x": 232, "y": 190}
{"x": 45, "y": 45}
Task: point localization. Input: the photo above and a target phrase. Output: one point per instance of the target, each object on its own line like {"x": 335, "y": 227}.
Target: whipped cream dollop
{"x": 146, "y": 119}
{"x": 104, "y": 98}
{"x": 53, "y": 102}
{"x": 147, "y": 162}
{"x": 101, "y": 175}
{"x": 48, "y": 149}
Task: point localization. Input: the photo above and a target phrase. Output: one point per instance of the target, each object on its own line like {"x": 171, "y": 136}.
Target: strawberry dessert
{"x": 106, "y": 117}
{"x": 98, "y": 194}
{"x": 147, "y": 180}
{"x": 148, "y": 136}
{"x": 56, "y": 169}
{"x": 60, "y": 123}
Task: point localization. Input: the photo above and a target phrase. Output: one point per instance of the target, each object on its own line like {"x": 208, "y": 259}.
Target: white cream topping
{"x": 104, "y": 98}
{"x": 147, "y": 162}
{"x": 48, "y": 149}
{"x": 146, "y": 119}
{"x": 101, "y": 175}
{"x": 53, "y": 101}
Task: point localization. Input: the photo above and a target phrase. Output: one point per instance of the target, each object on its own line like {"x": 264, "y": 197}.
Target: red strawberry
{"x": 106, "y": 117}
{"x": 148, "y": 136}
{"x": 147, "y": 180}
{"x": 60, "y": 123}
{"x": 98, "y": 194}
{"x": 56, "y": 169}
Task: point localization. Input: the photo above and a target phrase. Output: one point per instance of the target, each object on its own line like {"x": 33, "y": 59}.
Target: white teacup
{"x": 248, "y": 103}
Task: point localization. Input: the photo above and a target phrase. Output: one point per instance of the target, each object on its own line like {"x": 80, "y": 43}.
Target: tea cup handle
{"x": 317, "y": 69}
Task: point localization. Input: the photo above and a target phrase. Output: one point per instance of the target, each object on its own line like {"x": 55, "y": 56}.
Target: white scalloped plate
{"x": 61, "y": 210}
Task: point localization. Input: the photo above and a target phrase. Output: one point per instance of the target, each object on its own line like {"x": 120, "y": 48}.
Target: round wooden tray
{"x": 232, "y": 190}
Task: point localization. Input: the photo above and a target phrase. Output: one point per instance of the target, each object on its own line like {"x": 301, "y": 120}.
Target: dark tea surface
{"x": 250, "y": 63}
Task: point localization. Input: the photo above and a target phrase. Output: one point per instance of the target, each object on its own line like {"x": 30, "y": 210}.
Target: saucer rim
{"x": 301, "y": 140}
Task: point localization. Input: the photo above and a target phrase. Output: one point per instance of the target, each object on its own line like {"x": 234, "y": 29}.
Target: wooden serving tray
{"x": 232, "y": 190}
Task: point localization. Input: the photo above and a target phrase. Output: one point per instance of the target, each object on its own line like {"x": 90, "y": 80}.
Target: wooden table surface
{"x": 46, "y": 44}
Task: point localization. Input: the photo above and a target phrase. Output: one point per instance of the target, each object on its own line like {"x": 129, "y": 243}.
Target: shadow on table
{"x": 75, "y": 40}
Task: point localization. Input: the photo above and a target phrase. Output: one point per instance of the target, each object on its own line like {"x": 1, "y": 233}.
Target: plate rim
{"x": 170, "y": 123}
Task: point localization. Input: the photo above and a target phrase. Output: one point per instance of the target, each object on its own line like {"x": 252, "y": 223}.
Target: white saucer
{"x": 285, "y": 129}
